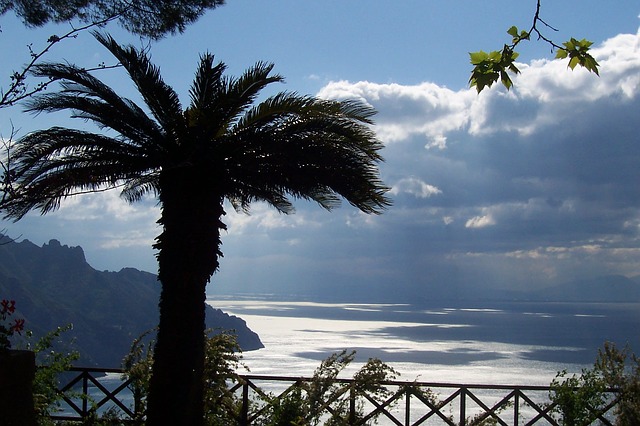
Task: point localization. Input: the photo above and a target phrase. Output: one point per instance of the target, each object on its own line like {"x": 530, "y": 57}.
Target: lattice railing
{"x": 405, "y": 404}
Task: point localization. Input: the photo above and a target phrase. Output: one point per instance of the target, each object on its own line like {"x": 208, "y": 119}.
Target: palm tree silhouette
{"x": 224, "y": 146}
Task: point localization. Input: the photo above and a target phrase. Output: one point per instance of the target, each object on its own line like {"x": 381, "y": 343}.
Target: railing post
{"x": 85, "y": 394}
{"x": 516, "y": 408}
{"x": 352, "y": 404}
{"x": 463, "y": 406}
{"x": 407, "y": 407}
{"x": 244, "y": 420}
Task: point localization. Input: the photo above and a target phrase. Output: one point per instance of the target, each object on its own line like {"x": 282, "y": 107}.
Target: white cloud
{"x": 263, "y": 218}
{"x": 547, "y": 92}
{"x": 550, "y": 166}
{"x": 480, "y": 222}
{"x": 107, "y": 204}
{"x": 415, "y": 187}
{"x": 425, "y": 109}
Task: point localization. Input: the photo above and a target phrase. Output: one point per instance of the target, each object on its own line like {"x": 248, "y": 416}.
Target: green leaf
{"x": 578, "y": 54}
{"x": 591, "y": 64}
{"x": 506, "y": 80}
{"x": 495, "y": 56}
{"x": 573, "y": 62}
{"x": 571, "y": 44}
{"x": 585, "y": 44}
{"x": 513, "y": 31}
{"x": 478, "y": 57}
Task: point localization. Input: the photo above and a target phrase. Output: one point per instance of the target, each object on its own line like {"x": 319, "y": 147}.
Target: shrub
{"x": 579, "y": 399}
{"x": 222, "y": 359}
{"x": 324, "y": 399}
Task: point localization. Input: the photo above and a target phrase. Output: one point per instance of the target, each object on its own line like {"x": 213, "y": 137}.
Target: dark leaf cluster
{"x": 150, "y": 18}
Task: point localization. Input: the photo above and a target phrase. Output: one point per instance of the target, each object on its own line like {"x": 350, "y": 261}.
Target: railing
{"x": 406, "y": 403}
{"x": 85, "y": 393}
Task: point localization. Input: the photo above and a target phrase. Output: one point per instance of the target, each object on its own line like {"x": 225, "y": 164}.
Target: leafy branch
{"x": 19, "y": 89}
{"x": 490, "y": 67}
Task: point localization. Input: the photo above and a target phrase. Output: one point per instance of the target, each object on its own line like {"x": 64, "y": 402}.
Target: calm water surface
{"x": 497, "y": 343}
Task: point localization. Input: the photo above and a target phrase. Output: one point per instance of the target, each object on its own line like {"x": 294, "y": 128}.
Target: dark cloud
{"x": 509, "y": 189}
{"x": 539, "y": 178}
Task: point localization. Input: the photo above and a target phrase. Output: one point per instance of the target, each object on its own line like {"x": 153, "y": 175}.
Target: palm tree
{"x": 224, "y": 146}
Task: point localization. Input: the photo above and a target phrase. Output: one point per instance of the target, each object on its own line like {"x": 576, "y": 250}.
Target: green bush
{"x": 323, "y": 400}
{"x": 222, "y": 359}
{"x": 579, "y": 399}
{"x": 620, "y": 369}
{"x": 54, "y": 357}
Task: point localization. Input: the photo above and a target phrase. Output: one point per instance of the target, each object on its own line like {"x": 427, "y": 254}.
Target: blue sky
{"x": 515, "y": 189}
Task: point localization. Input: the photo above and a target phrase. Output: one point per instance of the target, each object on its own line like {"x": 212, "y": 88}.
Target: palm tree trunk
{"x": 188, "y": 252}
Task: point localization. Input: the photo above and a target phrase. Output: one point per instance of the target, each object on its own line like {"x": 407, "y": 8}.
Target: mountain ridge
{"x": 53, "y": 286}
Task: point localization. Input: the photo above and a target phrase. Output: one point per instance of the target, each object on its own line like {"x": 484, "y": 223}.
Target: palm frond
{"x": 244, "y": 90}
{"x": 50, "y": 165}
{"x": 136, "y": 188}
{"x": 162, "y": 100}
{"x": 274, "y": 109}
{"x": 207, "y": 84}
{"x": 219, "y": 101}
{"x": 310, "y": 149}
{"x": 91, "y": 99}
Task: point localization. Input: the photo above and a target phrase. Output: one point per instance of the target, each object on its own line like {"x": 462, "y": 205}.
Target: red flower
{"x": 8, "y": 306}
{"x": 17, "y": 326}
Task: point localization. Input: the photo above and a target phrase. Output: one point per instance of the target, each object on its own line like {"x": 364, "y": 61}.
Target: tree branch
{"x": 490, "y": 67}
{"x": 18, "y": 89}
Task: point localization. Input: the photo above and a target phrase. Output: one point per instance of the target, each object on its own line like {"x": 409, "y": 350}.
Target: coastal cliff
{"x": 53, "y": 286}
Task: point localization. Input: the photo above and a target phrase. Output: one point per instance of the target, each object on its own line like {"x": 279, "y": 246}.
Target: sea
{"x": 458, "y": 343}
{"x": 508, "y": 343}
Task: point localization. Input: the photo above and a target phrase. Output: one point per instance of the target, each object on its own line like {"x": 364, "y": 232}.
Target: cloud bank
{"x": 531, "y": 186}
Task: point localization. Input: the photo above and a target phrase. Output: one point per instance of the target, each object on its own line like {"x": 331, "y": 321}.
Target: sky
{"x": 515, "y": 189}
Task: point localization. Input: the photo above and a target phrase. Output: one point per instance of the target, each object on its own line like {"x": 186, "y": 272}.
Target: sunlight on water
{"x": 298, "y": 335}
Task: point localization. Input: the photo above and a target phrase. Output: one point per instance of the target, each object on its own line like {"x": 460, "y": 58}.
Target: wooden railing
{"x": 88, "y": 392}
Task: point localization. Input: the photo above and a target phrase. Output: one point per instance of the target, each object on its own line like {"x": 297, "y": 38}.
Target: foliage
{"x": 620, "y": 369}
{"x": 137, "y": 366}
{"x": 53, "y": 358}
{"x": 223, "y": 357}
{"x": 309, "y": 403}
{"x": 149, "y": 18}
{"x": 496, "y": 65}
{"x": 578, "y": 53}
{"x": 577, "y": 398}
{"x": 489, "y": 67}
{"x": 8, "y": 329}
{"x": 580, "y": 398}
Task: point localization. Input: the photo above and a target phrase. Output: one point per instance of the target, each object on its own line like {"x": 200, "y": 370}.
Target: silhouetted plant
{"x": 222, "y": 360}
{"x": 581, "y": 398}
{"x": 54, "y": 357}
{"x": 620, "y": 369}
{"x": 324, "y": 400}
{"x": 137, "y": 366}
{"x": 577, "y": 397}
